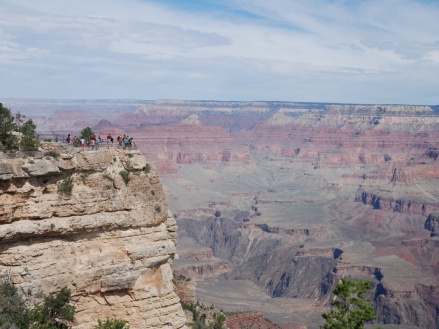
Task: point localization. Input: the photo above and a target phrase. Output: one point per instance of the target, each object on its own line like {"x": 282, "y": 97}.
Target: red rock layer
{"x": 249, "y": 320}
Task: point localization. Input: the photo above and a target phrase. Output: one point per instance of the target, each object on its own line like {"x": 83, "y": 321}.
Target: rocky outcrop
{"x": 421, "y": 252}
{"x": 110, "y": 240}
{"x": 408, "y": 307}
{"x": 386, "y": 203}
{"x": 203, "y": 270}
{"x": 432, "y": 224}
{"x": 269, "y": 257}
{"x": 249, "y": 320}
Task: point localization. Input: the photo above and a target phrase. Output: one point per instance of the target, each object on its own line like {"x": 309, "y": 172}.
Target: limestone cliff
{"x": 110, "y": 240}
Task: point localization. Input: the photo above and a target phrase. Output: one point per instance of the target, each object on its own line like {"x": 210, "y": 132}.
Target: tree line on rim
{"x": 15, "y": 133}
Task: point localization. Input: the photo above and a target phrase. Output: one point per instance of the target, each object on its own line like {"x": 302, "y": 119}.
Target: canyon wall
{"x": 282, "y": 198}
{"x": 112, "y": 242}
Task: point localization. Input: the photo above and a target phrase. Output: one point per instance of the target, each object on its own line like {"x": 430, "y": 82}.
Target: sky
{"x": 343, "y": 51}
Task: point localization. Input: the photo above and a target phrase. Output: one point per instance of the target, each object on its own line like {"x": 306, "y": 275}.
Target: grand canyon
{"x": 276, "y": 201}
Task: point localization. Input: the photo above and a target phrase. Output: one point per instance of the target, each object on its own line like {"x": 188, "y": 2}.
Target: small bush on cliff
{"x": 51, "y": 153}
{"x": 125, "y": 176}
{"x": 55, "y": 312}
{"x": 217, "y": 321}
{"x": 147, "y": 168}
{"x": 13, "y": 309}
{"x": 65, "y": 187}
{"x": 112, "y": 324}
{"x": 351, "y": 309}
{"x": 84, "y": 177}
{"x": 108, "y": 177}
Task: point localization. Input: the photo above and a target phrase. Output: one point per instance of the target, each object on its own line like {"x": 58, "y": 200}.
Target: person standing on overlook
{"x": 82, "y": 143}
{"x": 109, "y": 139}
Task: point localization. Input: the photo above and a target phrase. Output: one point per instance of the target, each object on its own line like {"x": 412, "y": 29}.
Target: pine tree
{"x": 86, "y": 133}
{"x": 7, "y": 125}
{"x": 351, "y": 309}
{"x": 55, "y": 312}
{"x": 29, "y": 140}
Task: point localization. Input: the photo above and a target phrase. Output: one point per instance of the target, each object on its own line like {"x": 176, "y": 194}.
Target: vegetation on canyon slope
{"x": 200, "y": 314}
{"x": 351, "y": 309}
{"x": 53, "y": 312}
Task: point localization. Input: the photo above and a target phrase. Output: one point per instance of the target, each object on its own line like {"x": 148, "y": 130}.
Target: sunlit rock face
{"x": 111, "y": 242}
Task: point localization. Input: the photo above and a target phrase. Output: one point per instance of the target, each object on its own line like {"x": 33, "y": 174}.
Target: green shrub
{"x": 86, "y": 133}
{"x": 13, "y": 309}
{"x": 84, "y": 177}
{"x": 108, "y": 176}
{"x": 199, "y": 318}
{"x": 125, "y": 176}
{"x": 147, "y": 168}
{"x": 65, "y": 187}
{"x": 51, "y": 153}
{"x": 55, "y": 312}
{"x": 112, "y": 324}
{"x": 7, "y": 126}
{"x": 29, "y": 139}
{"x": 48, "y": 140}
{"x": 219, "y": 322}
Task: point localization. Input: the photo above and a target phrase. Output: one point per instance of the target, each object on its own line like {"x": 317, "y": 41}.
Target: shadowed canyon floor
{"x": 276, "y": 201}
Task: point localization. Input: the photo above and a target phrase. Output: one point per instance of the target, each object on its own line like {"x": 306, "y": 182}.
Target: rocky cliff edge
{"x": 110, "y": 240}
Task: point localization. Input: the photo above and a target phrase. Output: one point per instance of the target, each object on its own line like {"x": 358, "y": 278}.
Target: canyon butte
{"x": 276, "y": 201}
{"x": 69, "y": 219}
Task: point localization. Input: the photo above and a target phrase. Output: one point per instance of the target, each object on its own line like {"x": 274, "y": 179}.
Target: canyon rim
{"x": 275, "y": 201}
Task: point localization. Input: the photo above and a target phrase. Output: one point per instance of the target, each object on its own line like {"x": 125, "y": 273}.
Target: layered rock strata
{"x": 296, "y": 182}
{"x": 249, "y": 320}
{"x": 432, "y": 224}
{"x": 110, "y": 240}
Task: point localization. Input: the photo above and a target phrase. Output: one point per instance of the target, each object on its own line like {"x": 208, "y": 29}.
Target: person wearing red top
{"x": 109, "y": 139}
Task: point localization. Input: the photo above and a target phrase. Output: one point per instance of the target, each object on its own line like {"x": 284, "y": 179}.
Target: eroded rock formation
{"x": 289, "y": 197}
{"x": 249, "y": 320}
{"x": 111, "y": 242}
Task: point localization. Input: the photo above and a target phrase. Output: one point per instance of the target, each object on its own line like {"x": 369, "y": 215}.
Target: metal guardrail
{"x": 51, "y": 137}
{"x": 21, "y": 154}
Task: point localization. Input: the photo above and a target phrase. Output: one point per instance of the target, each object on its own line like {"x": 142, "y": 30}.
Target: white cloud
{"x": 250, "y": 49}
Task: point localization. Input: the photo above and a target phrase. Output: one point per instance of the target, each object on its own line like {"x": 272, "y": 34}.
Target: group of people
{"x": 126, "y": 141}
{"x": 95, "y": 142}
